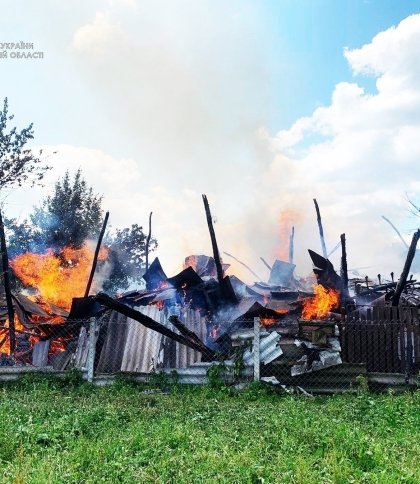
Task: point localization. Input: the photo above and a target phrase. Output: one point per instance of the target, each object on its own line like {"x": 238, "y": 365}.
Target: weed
{"x": 216, "y": 374}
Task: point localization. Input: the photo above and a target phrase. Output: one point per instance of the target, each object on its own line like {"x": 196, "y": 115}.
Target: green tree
{"x": 72, "y": 215}
{"x": 18, "y": 164}
{"x": 69, "y": 216}
{"x": 127, "y": 251}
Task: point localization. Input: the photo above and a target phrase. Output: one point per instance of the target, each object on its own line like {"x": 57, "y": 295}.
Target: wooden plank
{"x": 416, "y": 332}
{"x": 388, "y": 346}
{"x": 369, "y": 346}
{"x": 381, "y": 345}
{"x": 40, "y": 353}
{"x": 395, "y": 338}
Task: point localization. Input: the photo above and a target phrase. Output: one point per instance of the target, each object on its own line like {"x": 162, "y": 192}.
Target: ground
{"x": 66, "y": 432}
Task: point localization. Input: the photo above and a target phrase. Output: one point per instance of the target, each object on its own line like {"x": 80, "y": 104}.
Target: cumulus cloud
{"x": 364, "y": 159}
{"x": 194, "y": 119}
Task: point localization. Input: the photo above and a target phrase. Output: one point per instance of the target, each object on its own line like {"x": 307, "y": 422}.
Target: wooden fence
{"x": 386, "y": 339}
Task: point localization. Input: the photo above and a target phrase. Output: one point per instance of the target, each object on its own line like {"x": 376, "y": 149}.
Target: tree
{"x": 127, "y": 251}
{"x": 68, "y": 217}
{"x": 17, "y": 163}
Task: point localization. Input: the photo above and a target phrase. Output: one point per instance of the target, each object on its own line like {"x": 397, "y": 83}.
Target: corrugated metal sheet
{"x": 131, "y": 347}
{"x": 142, "y": 351}
{"x": 269, "y": 349}
{"x": 111, "y": 343}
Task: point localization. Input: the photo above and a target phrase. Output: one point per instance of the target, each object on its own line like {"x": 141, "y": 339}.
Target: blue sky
{"x": 302, "y": 44}
{"x": 256, "y": 103}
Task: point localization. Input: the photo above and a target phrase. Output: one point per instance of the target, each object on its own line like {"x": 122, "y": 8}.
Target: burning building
{"x": 202, "y": 315}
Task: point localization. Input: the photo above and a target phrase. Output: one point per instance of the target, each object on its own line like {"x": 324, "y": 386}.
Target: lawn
{"x": 61, "y": 433}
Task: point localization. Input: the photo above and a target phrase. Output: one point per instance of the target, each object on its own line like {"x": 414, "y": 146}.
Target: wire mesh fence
{"x": 325, "y": 356}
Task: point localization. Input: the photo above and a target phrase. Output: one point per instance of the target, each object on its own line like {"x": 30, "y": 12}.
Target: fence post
{"x": 256, "y": 349}
{"x": 92, "y": 350}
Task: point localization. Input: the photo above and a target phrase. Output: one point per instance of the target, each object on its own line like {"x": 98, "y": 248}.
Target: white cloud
{"x": 99, "y": 37}
{"x": 366, "y": 157}
{"x": 188, "y": 112}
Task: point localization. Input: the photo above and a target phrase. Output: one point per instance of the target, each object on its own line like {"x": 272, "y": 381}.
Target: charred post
{"x": 227, "y": 291}
{"x": 148, "y": 241}
{"x": 344, "y": 271}
{"x": 216, "y": 254}
{"x": 6, "y": 280}
{"x": 180, "y": 326}
{"x": 115, "y": 305}
{"x": 291, "y": 246}
{"x": 95, "y": 257}
{"x": 403, "y": 278}
{"x": 321, "y": 230}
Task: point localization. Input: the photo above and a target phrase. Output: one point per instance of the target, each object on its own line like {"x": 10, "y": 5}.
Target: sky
{"x": 262, "y": 105}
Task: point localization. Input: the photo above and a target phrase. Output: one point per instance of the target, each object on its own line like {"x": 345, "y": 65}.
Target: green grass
{"x": 54, "y": 433}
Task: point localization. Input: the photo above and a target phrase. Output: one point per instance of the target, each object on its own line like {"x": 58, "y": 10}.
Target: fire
{"x": 268, "y": 321}
{"x": 4, "y": 335}
{"x": 321, "y": 304}
{"x": 58, "y": 277}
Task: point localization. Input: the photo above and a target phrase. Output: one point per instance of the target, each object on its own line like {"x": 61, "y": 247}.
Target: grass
{"x": 72, "y": 433}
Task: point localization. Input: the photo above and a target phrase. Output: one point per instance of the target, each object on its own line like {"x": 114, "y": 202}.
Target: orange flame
{"x": 58, "y": 277}
{"x": 4, "y": 335}
{"x": 321, "y": 304}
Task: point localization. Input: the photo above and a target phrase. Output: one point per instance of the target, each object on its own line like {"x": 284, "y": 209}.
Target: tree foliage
{"x": 127, "y": 250}
{"x": 18, "y": 164}
{"x": 69, "y": 217}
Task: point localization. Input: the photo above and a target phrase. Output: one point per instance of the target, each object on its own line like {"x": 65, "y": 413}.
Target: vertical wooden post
{"x": 344, "y": 271}
{"x": 148, "y": 241}
{"x": 256, "y": 349}
{"x": 95, "y": 257}
{"x": 92, "y": 350}
{"x": 321, "y": 230}
{"x": 216, "y": 253}
{"x": 7, "y": 290}
{"x": 403, "y": 278}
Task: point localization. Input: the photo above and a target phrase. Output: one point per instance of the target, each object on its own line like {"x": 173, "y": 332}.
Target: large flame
{"x": 321, "y": 304}
{"x": 58, "y": 277}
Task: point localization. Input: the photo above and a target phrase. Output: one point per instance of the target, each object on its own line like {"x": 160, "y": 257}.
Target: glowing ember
{"x": 58, "y": 277}
{"x": 321, "y": 304}
{"x": 268, "y": 321}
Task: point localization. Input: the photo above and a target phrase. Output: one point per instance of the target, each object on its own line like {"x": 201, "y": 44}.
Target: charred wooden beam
{"x": 7, "y": 290}
{"x": 243, "y": 264}
{"x": 150, "y": 323}
{"x": 95, "y": 257}
{"x": 291, "y": 246}
{"x": 396, "y": 230}
{"x": 403, "y": 278}
{"x": 321, "y": 230}
{"x": 226, "y": 288}
{"x": 180, "y": 326}
{"x": 216, "y": 254}
{"x": 344, "y": 272}
{"x": 148, "y": 241}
